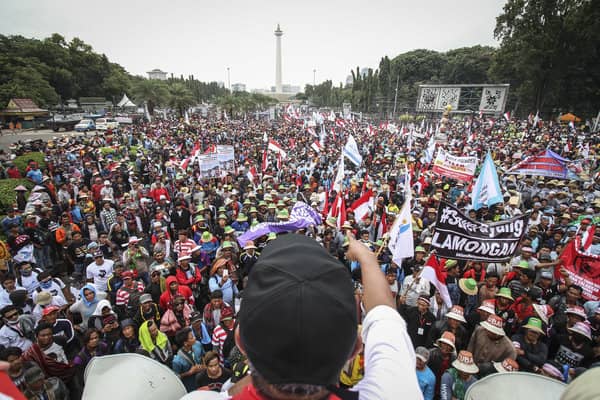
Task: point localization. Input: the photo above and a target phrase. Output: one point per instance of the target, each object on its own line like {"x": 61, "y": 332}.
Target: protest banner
{"x": 209, "y": 165}
{"x": 302, "y": 216}
{"x": 459, "y": 237}
{"x": 461, "y": 168}
{"x": 583, "y": 269}
{"x": 226, "y": 157}
{"x": 548, "y": 164}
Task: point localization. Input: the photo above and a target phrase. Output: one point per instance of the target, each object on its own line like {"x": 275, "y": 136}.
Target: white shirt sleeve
{"x": 389, "y": 358}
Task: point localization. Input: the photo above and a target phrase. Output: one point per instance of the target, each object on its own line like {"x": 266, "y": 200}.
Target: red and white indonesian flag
{"x": 434, "y": 272}
{"x": 363, "y": 206}
{"x": 276, "y": 147}
{"x": 316, "y": 146}
{"x": 507, "y": 116}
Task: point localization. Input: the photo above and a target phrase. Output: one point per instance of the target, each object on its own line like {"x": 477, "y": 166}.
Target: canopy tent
{"x": 568, "y": 117}
{"x": 125, "y": 102}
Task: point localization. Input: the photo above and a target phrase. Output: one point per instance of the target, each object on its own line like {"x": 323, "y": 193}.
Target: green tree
{"x": 180, "y": 97}
{"x": 153, "y": 92}
{"x": 549, "y": 53}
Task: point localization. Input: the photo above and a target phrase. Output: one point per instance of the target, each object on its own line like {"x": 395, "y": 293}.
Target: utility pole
{"x": 396, "y": 96}
{"x": 314, "y": 77}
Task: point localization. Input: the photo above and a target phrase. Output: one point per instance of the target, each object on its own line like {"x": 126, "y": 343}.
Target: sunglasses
{"x": 11, "y": 316}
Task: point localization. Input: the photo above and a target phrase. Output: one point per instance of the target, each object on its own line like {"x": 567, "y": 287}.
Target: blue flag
{"x": 487, "y": 189}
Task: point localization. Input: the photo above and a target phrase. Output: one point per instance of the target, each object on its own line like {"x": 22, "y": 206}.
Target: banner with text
{"x": 459, "y": 237}
{"x": 583, "y": 269}
{"x": 226, "y": 157}
{"x": 461, "y": 168}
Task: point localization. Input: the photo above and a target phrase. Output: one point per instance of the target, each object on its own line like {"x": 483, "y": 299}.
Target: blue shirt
{"x": 182, "y": 364}
{"x": 229, "y": 289}
{"x": 35, "y": 175}
{"x": 426, "y": 380}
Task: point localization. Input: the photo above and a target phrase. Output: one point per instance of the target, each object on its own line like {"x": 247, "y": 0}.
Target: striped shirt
{"x": 123, "y": 293}
{"x": 184, "y": 248}
{"x": 218, "y": 339}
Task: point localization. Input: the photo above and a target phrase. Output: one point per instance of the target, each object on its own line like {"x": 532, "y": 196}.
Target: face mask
{"x": 46, "y": 285}
{"x": 26, "y": 273}
{"x": 12, "y": 321}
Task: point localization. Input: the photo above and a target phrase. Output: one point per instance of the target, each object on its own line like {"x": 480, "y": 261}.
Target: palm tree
{"x": 153, "y": 92}
{"x": 180, "y": 97}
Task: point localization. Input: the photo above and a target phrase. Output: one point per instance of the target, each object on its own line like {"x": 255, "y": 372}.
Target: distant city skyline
{"x": 322, "y": 40}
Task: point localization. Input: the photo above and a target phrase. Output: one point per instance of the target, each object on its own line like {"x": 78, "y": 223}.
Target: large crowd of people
{"x": 123, "y": 245}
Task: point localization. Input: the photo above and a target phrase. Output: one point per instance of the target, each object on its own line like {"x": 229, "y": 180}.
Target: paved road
{"x": 45, "y": 134}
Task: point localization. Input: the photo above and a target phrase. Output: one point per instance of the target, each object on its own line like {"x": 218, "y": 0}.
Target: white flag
{"x": 401, "y": 242}
{"x": 351, "y": 151}
{"x": 339, "y": 177}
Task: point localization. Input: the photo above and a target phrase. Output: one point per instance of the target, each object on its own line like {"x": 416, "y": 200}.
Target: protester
{"x": 164, "y": 245}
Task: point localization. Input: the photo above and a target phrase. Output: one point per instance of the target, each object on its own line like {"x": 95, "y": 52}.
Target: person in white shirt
{"x": 413, "y": 286}
{"x": 55, "y": 286}
{"x": 99, "y": 271}
{"x": 9, "y": 285}
{"x": 16, "y": 328}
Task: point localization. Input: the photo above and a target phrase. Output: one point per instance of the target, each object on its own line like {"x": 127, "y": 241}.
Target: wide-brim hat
{"x": 465, "y": 286}
{"x": 582, "y": 329}
{"x": 535, "y": 324}
{"x": 492, "y": 328}
{"x": 445, "y": 338}
{"x": 505, "y": 293}
{"x": 43, "y": 298}
{"x": 454, "y": 314}
{"x": 508, "y": 365}
{"x": 464, "y": 362}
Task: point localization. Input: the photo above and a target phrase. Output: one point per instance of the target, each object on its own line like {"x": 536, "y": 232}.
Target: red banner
{"x": 583, "y": 269}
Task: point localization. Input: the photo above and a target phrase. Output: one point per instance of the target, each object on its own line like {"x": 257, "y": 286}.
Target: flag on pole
{"x": 186, "y": 118}
{"x": 507, "y": 116}
{"x": 351, "y": 151}
{"x": 372, "y": 130}
{"x": 429, "y": 151}
{"x": 331, "y": 117}
{"x": 536, "y": 119}
{"x": 382, "y": 228}
{"x": 316, "y": 146}
{"x": 363, "y": 205}
{"x": 401, "y": 242}
{"x": 434, "y": 272}
{"x": 265, "y": 161}
{"x": 338, "y": 209}
{"x": 487, "y": 188}
{"x": 339, "y": 177}
{"x": 252, "y": 174}
{"x": 276, "y": 147}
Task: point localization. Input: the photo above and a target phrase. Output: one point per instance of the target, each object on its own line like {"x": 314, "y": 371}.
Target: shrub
{"x": 21, "y": 161}
{"x": 7, "y": 191}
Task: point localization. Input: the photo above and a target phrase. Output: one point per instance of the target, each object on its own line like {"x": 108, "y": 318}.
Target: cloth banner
{"x": 461, "y": 238}
{"x": 547, "y": 164}
{"x": 302, "y": 216}
{"x": 209, "y": 166}
{"x": 226, "y": 157}
{"x": 583, "y": 269}
{"x": 461, "y": 168}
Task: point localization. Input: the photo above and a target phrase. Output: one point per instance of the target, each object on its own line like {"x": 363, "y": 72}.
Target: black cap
{"x": 304, "y": 295}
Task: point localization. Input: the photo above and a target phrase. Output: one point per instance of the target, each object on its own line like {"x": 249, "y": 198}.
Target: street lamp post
{"x": 314, "y": 77}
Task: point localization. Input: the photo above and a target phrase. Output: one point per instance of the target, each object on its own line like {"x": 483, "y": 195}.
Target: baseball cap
{"x": 298, "y": 290}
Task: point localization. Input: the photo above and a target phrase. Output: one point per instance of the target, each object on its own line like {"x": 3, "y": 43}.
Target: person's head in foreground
{"x": 314, "y": 331}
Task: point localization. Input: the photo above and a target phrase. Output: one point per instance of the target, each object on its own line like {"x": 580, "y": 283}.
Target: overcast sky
{"x": 203, "y": 38}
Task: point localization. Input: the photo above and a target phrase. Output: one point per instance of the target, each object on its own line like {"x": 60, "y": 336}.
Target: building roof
{"x": 22, "y": 106}
{"x": 156, "y": 71}
{"x": 92, "y": 100}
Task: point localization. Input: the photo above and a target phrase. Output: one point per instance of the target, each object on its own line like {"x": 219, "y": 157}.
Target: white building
{"x": 238, "y": 87}
{"x": 157, "y": 74}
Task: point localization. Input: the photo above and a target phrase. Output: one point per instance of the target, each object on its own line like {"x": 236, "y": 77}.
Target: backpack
{"x": 133, "y": 303}
{"x": 229, "y": 342}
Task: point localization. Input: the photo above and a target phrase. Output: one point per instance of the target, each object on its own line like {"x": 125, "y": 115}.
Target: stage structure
{"x": 488, "y": 99}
